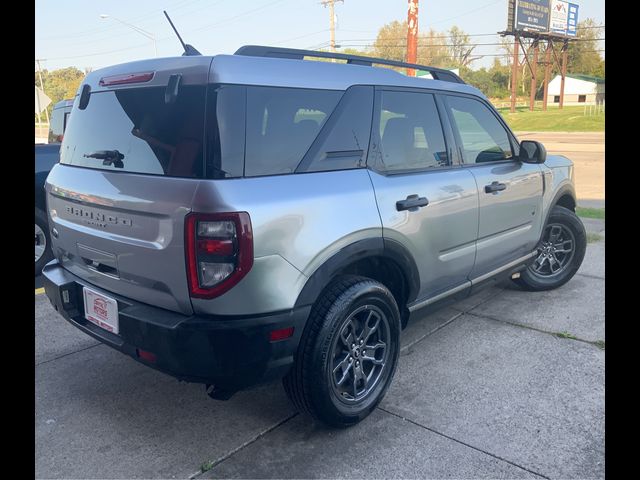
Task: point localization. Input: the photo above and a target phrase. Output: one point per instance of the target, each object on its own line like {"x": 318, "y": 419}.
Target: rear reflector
{"x": 281, "y": 334}
{"x": 147, "y": 356}
{"x": 126, "y": 78}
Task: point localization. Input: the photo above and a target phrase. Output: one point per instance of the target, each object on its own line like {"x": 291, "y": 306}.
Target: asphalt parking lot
{"x": 503, "y": 384}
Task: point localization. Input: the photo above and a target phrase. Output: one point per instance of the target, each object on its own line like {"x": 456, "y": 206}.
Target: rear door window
{"x": 140, "y": 129}
{"x": 281, "y": 125}
{"x": 410, "y": 132}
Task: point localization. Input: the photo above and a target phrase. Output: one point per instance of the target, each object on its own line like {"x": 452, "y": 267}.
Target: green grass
{"x": 599, "y": 344}
{"x": 568, "y": 119}
{"x": 206, "y": 466}
{"x": 593, "y": 237}
{"x": 565, "y": 335}
{"x": 590, "y": 212}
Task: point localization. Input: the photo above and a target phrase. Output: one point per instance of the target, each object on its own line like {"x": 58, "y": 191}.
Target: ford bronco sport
{"x": 232, "y": 219}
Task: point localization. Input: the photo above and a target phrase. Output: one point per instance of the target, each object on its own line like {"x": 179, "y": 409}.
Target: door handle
{"x": 412, "y": 203}
{"x": 494, "y": 187}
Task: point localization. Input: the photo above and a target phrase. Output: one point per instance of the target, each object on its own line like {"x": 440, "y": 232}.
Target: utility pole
{"x": 332, "y": 21}
{"x": 534, "y": 75}
{"x": 514, "y": 73}
{"x": 46, "y": 112}
{"x": 412, "y": 36}
{"x": 547, "y": 74}
{"x": 565, "y": 46}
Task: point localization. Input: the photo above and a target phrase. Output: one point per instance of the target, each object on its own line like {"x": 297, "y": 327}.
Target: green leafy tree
{"x": 460, "y": 47}
{"x": 391, "y": 41}
{"x": 583, "y": 55}
{"x": 60, "y": 84}
{"x": 438, "y": 49}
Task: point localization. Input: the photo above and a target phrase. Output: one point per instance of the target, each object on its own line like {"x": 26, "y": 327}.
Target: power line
{"x": 142, "y": 17}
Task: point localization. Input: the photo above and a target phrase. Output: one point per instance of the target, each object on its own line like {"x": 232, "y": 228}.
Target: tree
{"x": 461, "y": 47}
{"x": 60, "y": 84}
{"x": 391, "y": 41}
{"x": 583, "y": 56}
{"x": 434, "y": 48}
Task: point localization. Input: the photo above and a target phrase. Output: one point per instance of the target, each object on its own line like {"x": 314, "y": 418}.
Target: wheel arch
{"x": 565, "y": 197}
{"x": 383, "y": 260}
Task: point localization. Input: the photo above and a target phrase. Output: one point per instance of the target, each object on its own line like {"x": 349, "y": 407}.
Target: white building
{"x": 578, "y": 90}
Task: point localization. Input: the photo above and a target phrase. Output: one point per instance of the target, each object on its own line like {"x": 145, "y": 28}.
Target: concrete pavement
{"x": 505, "y": 384}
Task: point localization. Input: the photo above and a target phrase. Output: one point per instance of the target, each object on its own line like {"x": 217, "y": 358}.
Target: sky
{"x": 72, "y": 33}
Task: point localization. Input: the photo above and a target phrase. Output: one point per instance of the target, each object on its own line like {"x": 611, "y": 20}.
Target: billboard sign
{"x": 532, "y": 15}
{"x": 572, "y": 23}
{"x": 564, "y": 18}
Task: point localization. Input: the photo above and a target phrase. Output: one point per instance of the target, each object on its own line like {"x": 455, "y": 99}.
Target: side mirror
{"x": 532, "y": 152}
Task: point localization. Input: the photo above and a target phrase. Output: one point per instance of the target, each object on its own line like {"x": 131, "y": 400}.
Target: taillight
{"x": 219, "y": 249}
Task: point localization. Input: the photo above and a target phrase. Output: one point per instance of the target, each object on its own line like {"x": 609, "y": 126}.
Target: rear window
{"x": 138, "y": 127}
{"x": 282, "y": 123}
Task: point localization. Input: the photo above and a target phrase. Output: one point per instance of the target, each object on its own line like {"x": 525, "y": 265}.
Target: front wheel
{"x": 348, "y": 352}
{"x": 560, "y": 252}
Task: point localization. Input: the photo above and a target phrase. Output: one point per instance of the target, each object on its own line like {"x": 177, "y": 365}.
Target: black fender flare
{"x": 565, "y": 189}
{"x": 370, "y": 247}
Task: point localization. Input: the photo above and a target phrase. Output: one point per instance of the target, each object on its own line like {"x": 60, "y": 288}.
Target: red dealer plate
{"x": 101, "y": 310}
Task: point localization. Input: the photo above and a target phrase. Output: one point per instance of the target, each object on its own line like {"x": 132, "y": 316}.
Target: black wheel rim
{"x": 359, "y": 353}
{"x": 555, "y": 251}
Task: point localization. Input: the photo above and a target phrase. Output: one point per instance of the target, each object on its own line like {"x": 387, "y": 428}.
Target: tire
{"x": 43, "y": 239}
{"x": 569, "y": 233}
{"x": 337, "y": 323}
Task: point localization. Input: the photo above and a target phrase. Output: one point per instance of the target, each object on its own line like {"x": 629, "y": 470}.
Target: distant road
{"x": 587, "y": 152}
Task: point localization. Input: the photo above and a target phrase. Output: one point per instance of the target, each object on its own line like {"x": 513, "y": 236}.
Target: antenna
{"x": 188, "y": 49}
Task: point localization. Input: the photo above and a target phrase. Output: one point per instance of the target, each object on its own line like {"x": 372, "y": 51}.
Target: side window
{"x": 281, "y": 125}
{"x": 410, "y": 132}
{"x": 56, "y": 125}
{"x": 343, "y": 142}
{"x": 483, "y": 137}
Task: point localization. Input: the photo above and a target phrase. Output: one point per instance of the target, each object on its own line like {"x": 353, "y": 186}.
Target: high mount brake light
{"x": 126, "y": 78}
{"x": 219, "y": 250}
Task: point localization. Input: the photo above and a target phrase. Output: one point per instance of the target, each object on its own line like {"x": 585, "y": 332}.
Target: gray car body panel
{"x": 149, "y": 253}
{"x": 312, "y": 217}
{"x": 299, "y": 221}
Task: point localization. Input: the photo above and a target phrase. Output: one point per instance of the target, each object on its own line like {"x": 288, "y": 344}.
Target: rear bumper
{"x": 230, "y": 353}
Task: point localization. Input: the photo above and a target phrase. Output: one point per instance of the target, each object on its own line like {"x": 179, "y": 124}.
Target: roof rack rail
{"x": 296, "y": 54}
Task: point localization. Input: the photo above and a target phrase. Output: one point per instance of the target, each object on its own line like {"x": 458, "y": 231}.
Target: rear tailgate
{"x": 130, "y": 162}
{"x": 123, "y": 232}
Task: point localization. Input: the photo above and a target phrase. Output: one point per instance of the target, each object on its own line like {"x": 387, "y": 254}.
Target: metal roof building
{"x": 578, "y": 90}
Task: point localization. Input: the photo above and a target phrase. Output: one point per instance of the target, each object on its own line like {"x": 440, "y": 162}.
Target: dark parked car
{"x": 46, "y": 156}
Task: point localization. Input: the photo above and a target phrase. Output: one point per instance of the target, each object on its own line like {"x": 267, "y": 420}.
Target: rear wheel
{"x": 560, "y": 252}
{"x": 43, "y": 242}
{"x": 348, "y": 352}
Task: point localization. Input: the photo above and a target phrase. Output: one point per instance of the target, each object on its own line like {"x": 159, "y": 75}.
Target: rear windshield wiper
{"x": 108, "y": 157}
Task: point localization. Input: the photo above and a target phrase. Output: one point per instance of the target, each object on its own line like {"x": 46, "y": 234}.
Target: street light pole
{"x": 137, "y": 29}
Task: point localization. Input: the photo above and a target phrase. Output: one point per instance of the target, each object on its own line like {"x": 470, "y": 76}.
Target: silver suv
{"x": 233, "y": 219}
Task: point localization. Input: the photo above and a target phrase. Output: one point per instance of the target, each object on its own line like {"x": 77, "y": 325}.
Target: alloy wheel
{"x": 360, "y": 353}
{"x": 555, "y": 251}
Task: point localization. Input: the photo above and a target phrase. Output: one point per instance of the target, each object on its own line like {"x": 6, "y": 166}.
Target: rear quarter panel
{"x": 298, "y": 221}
